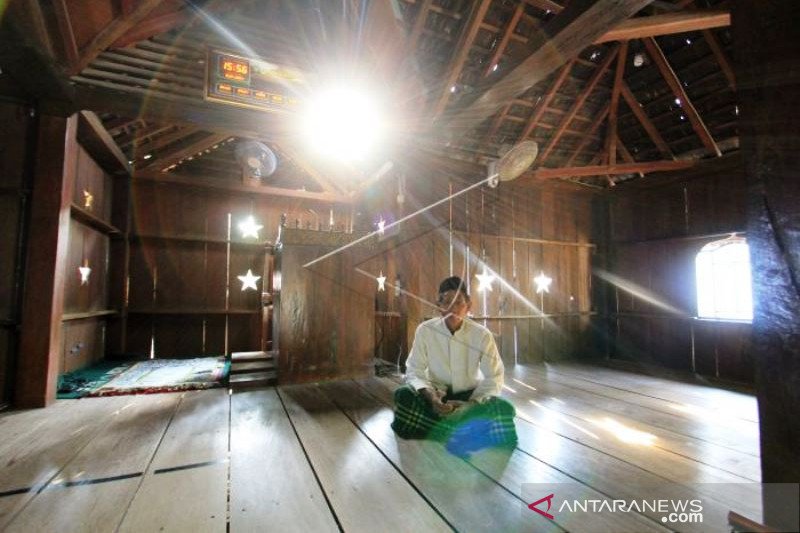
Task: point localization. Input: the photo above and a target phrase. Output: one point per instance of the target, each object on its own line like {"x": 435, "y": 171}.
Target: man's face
{"x": 453, "y": 303}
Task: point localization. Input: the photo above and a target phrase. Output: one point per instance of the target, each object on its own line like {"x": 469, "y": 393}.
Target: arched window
{"x": 724, "y": 287}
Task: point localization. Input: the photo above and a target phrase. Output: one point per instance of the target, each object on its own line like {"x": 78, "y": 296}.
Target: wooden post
{"x": 767, "y": 48}
{"x": 43, "y": 297}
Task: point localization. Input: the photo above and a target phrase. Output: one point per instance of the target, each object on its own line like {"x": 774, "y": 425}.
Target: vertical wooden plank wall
{"x": 185, "y": 297}
{"x": 656, "y": 234}
{"x": 517, "y": 232}
{"x": 86, "y": 304}
{"x": 15, "y": 154}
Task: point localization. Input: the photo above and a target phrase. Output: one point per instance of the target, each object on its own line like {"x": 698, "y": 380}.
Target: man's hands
{"x": 434, "y": 397}
{"x": 440, "y": 407}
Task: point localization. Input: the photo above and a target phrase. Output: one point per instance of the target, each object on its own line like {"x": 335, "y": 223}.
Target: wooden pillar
{"x": 43, "y": 297}
{"x": 767, "y": 50}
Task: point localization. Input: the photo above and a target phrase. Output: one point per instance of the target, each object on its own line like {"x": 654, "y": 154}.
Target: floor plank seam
{"x": 493, "y": 480}
{"x": 632, "y": 391}
{"x": 38, "y": 489}
{"x": 639, "y": 406}
{"x": 228, "y": 473}
{"x": 399, "y": 471}
{"x": 310, "y": 463}
{"x": 150, "y": 461}
{"x": 548, "y": 465}
{"x": 667, "y": 450}
{"x": 620, "y": 459}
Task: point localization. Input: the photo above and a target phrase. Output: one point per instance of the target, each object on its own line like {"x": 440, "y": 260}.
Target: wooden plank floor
{"x": 323, "y": 458}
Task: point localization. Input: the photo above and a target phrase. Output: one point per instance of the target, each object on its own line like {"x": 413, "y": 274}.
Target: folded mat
{"x": 166, "y": 375}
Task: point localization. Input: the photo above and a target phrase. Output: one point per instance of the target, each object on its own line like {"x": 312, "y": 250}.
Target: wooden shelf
{"x": 193, "y": 311}
{"x": 81, "y": 215}
{"x": 199, "y": 239}
{"x": 88, "y": 314}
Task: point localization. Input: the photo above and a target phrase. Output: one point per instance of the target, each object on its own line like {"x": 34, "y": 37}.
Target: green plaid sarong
{"x": 482, "y": 425}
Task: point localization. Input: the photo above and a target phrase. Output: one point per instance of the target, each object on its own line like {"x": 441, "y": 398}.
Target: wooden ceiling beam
{"x": 113, "y": 31}
{"x": 603, "y": 170}
{"x": 210, "y": 182}
{"x": 588, "y": 135}
{"x": 677, "y": 88}
{"x": 579, "y": 101}
{"x": 722, "y": 59}
{"x": 509, "y": 31}
{"x": 537, "y": 113}
{"x": 72, "y": 55}
{"x": 419, "y": 25}
{"x": 174, "y": 157}
{"x": 136, "y": 102}
{"x": 645, "y": 121}
{"x": 470, "y": 31}
{"x": 611, "y": 136}
{"x": 668, "y": 24}
{"x": 164, "y": 140}
{"x": 581, "y": 23}
{"x": 328, "y": 185}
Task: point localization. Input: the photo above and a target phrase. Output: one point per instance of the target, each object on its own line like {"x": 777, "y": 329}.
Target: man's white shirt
{"x": 465, "y": 360}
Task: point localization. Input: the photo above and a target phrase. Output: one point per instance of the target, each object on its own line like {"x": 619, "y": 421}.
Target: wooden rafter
{"x": 576, "y": 27}
{"x": 67, "y": 34}
{"x": 302, "y": 163}
{"x": 501, "y": 46}
{"x": 144, "y": 135}
{"x": 722, "y": 59}
{"x": 218, "y": 184}
{"x": 601, "y": 116}
{"x": 548, "y": 98}
{"x": 176, "y": 156}
{"x": 419, "y": 25}
{"x": 603, "y": 170}
{"x": 579, "y": 101}
{"x": 668, "y": 24}
{"x": 611, "y": 136}
{"x": 677, "y": 88}
{"x": 132, "y": 101}
{"x": 468, "y": 35}
{"x": 113, "y": 31}
{"x": 645, "y": 121}
{"x": 164, "y": 140}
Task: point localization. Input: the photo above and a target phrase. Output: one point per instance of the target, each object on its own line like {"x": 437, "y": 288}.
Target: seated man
{"x": 454, "y": 374}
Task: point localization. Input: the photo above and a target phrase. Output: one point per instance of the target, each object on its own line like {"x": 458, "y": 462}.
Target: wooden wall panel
{"x": 83, "y": 343}
{"x": 177, "y": 336}
{"x": 14, "y": 153}
{"x": 327, "y": 316}
{"x": 9, "y": 220}
{"x": 655, "y": 251}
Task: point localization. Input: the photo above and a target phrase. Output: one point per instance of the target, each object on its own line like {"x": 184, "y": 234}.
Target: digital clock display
{"x": 250, "y": 82}
{"x": 234, "y": 69}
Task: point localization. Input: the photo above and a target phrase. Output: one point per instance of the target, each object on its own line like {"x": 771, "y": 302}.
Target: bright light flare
{"x": 624, "y": 433}
{"x": 344, "y": 123}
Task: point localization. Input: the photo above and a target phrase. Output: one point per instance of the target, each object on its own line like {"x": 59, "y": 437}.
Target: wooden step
{"x": 239, "y": 367}
{"x": 250, "y": 356}
{"x": 253, "y": 379}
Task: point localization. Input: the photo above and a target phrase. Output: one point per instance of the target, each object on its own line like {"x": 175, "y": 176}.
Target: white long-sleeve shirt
{"x": 467, "y": 359}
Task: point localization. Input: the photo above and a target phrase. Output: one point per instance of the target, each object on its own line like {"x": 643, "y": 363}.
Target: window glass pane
{"x": 724, "y": 287}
